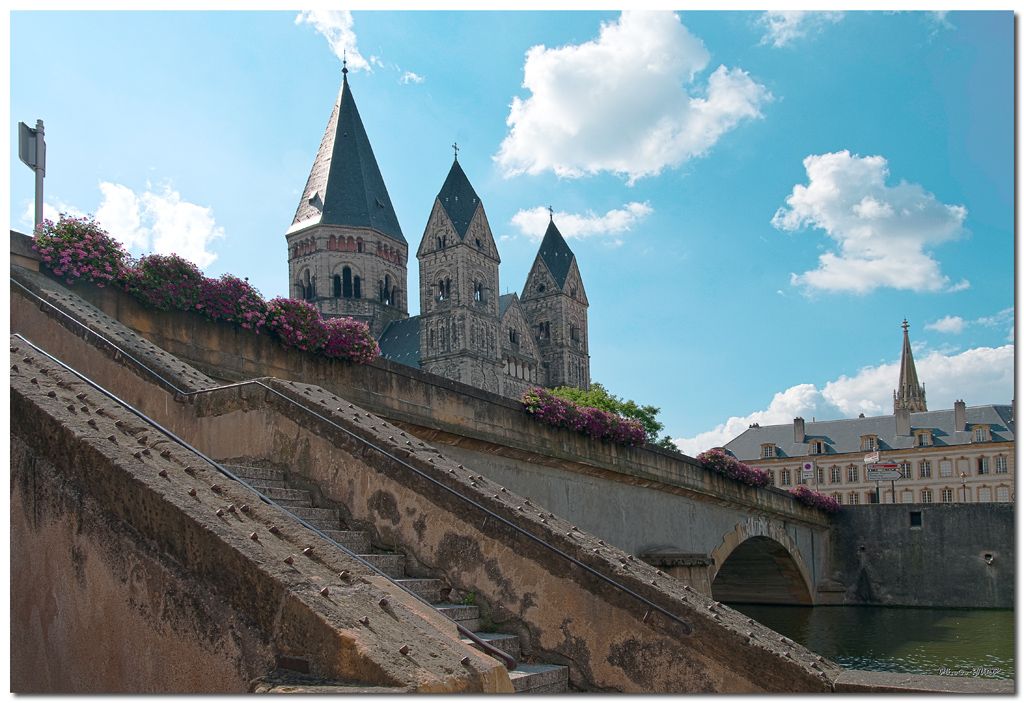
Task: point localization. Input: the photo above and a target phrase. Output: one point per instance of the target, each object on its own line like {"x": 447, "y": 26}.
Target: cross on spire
{"x": 344, "y": 63}
{"x": 551, "y": 213}
{"x": 455, "y": 146}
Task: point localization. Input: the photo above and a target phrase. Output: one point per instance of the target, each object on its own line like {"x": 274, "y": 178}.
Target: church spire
{"x": 910, "y": 394}
{"x": 345, "y": 187}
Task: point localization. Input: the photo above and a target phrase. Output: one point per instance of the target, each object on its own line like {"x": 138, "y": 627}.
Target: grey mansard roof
{"x": 843, "y": 436}
{"x": 345, "y": 186}
{"x": 458, "y": 199}
{"x": 556, "y": 254}
{"x": 400, "y": 341}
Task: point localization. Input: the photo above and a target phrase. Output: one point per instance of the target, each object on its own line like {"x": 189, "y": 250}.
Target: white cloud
{"x": 157, "y": 222}
{"x": 534, "y": 222}
{"x": 336, "y": 28}
{"x": 782, "y": 27}
{"x": 624, "y": 103}
{"x": 950, "y": 324}
{"x": 51, "y": 212}
{"x": 410, "y": 77}
{"x": 882, "y": 231}
{"x": 979, "y": 376}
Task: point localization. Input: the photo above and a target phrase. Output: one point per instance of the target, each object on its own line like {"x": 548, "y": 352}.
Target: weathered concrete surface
{"x": 124, "y": 581}
{"x": 887, "y": 682}
{"x": 962, "y": 554}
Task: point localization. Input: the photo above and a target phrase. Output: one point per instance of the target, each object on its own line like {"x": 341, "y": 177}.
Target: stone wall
{"x": 959, "y": 555}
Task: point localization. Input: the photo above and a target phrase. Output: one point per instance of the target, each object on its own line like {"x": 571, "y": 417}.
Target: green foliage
{"x": 599, "y": 397}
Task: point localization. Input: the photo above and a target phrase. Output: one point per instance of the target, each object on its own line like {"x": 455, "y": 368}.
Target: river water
{"x": 952, "y": 642}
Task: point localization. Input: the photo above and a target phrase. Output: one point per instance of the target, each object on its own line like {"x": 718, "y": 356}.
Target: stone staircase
{"x": 273, "y": 483}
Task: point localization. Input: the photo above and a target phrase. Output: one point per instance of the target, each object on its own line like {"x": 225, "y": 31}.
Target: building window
{"x": 869, "y": 442}
{"x": 346, "y": 282}
{"x": 444, "y": 289}
{"x": 835, "y": 475}
{"x": 854, "y": 498}
{"x": 924, "y": 469}
{"x": 947, "y": 495}
{"x": 905, "y": 470}
{"x": 820, "y": 475}
{"x": 574, "y": 333}
{"x": 852, "y": 474}
{"x": 926, "y": 495}
{"x": 984, "y": 494}
{"x": 838, "y": 497}
{"x": 357, "y": 287}
{"x": 945, "y": 467}
{"x": 872, "y": 496}
{"x": 980, "y": 433}
{"x": 785, "y": 477}
{"x": 924, "y": 439}
{"x": 982, "y": 465}
{"x": 513, "y": 336}
{"x": 1003, "y": 494}
{"x": 1000, "y": 464}
{"x": 479, "y": 295}
{"x": 771, "y": 477}
{"x": 544, "y": 331}
{"x": 907, "y": 496}
{"x": 768, "y": 451}
{"x": 337, "y": 286}
{"x": 817, "y": 447}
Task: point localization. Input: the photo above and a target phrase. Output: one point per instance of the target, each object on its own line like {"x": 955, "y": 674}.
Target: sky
{"x": 756, "y": 200}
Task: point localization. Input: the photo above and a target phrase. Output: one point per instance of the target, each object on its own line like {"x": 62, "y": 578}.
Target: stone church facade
{"x": 347, "y": 256}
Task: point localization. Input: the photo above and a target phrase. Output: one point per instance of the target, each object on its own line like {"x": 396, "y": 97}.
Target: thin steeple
{"x": 458, "y": 198}
{"x": 345, "y": 186}
{"x": 910, "y": 394}
{"x": 555, "y": 252}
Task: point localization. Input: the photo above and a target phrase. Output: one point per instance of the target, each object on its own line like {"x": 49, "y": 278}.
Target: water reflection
{"x": 910, "y": 640}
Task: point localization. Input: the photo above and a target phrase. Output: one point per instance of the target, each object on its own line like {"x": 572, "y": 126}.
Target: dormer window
{"x": 923, "y": 438}
{"x": 980, "y": 433}
{"x": 513, "y": 336}
{"x": 818, "y": 447}
{"x": 868, "y": 442}
{"x": 768, "y": 451}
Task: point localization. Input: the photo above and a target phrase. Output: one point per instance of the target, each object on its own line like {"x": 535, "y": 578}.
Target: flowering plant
{"x": 297, "y": 323}
{"x": 78, "y": 248}
{"x": 167, "y": 282}
{"x": 231, "y": 299}
{"x": 717, "y": 460}
{"x": 348, "y": 338}
{"x": 598, "y": 424}
{"x": 815, "y": 499}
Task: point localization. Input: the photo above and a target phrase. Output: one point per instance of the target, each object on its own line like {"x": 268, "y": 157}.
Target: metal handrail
{"x": 687, "y": 629}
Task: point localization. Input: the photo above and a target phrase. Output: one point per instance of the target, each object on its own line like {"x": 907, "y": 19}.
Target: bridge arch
{"x": 759, "y": 562}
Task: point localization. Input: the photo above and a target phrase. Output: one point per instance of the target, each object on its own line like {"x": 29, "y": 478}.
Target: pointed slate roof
{"x": 556, "y": 254}
{"x": 910, "y": 393}
{"x": 503, "y": 302}
{"x": 400, "y": 341}
{"x": 345, "y": 186}
{"x": 458, "y": 199}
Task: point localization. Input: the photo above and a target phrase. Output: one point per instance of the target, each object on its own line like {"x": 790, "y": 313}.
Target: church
{"x": 348, "y": 257}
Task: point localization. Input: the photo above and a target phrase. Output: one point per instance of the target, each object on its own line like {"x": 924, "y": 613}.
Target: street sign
{"x": 871, "y": 458}
{"x": 885, "y": 465}
{"x": 807, "y": 470}
{"x": 883, "y": 475}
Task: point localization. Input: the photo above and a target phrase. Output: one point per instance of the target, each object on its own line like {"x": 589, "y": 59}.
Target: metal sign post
{"x": 878, "y": 472}
{"x": 32, "y": 152}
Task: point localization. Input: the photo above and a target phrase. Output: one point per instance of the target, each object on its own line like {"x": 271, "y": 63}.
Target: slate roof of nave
{"x": 400, "y": 341}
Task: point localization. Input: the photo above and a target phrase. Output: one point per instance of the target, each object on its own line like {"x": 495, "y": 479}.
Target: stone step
{"x": 295, "y": 496}
{"x": 499, "y": 640}
{"x": 391, "y": 564}
{"x": 428, "y": 589}
{"x": 255, "y": 472}
{"x": 466, "y": 615}
{"x": 353, "y": 540}
{"x": 540, "y": 678}
{"x": 324, "y": 518}
{"x": 260, "y": 484}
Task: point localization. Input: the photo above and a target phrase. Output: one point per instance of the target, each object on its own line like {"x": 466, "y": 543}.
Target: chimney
{"x": 798, "y": 430}
{"x": 959, "y": 416}
{"x": 903, "y": 421}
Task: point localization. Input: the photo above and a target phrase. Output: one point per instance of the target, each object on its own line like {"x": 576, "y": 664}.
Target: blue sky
{"x": 756, "y": 200}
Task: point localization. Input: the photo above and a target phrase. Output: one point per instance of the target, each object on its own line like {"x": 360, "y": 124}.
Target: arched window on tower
{"x": 346, "y": 282}
{"x": 357, "y": 287}
{"x": 337, "y": 286}
{"x": 386, "y": 291}
{"x": 359, "y": 245}
{"x": 478, "y": 292}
